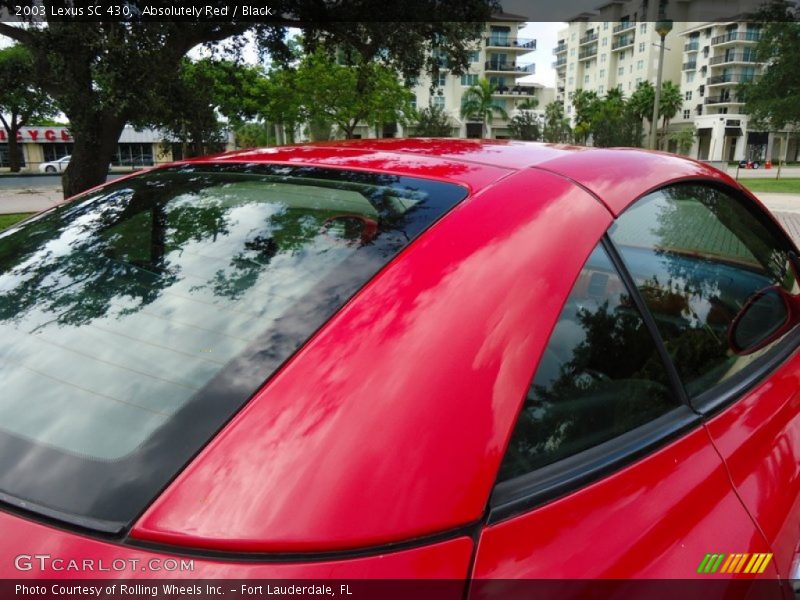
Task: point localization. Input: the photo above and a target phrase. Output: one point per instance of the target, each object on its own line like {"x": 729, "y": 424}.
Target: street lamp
{"x": 663, "y": 27}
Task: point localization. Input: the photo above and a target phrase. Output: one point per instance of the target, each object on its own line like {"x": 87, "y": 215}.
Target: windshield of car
{"x": 136, "y": 320}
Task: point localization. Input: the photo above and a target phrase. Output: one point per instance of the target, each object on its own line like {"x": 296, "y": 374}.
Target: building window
{"x": 605, "y": 41}
{"x": 438, "y": 101}
{"x": 605, "y": 25}
{"x": 586, "y": 80}
{"x": 4, "y": 159}
{"x": 640, "y": 65}
{"x": 689, "y": 77}
{"x": 442, "y": 80}
{"x": 601, "y": 89}
{"x": 572, "y": 51}
{"x": 643, "y": 28}
{"x": 603, "y": 58}
{"x": 133, "y": 155}
{"x": 688, "y": 95}
{"x": 474, "y": 56}
{"x": 641, "y": 46}
{"x": 602, "y": 73}
{"x": 56, "y": 151}
{"x": 686, "y": 114}
{"x": 621, "y": 71}
{"x": 469, "y": 79}
{"x": 571, "y": 81}
{"x": 571, "y": 67}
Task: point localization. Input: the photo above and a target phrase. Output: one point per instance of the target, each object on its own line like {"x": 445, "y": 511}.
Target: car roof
{"x": 390, "y": 423}
{"x": 616, "y": 176}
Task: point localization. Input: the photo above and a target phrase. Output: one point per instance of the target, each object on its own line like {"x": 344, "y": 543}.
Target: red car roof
{"x": 390, "y": 423}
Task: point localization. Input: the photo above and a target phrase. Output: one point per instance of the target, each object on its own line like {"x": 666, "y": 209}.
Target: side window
{"x": 698, "y": 255}
{"x": 600, "y": 375}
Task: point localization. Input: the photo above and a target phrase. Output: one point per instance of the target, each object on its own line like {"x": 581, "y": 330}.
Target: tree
{"x": 106, "y": 74}
{"x": 613, "y": 122}
{"x": 349, "y": 94}
{"x": 670, "y": 103}
{"x": 253, "y": 135}
{"x": 556, "y": 126}
{"x": 641, "y": 106}
{"x": 22, "y": 102}
{"x": 477, "y": 103}
{"x": 771, "y": 101}
{"x": 525, "y": 126}
{"x": 432, "y": 121}
{"x": 585, "y": 103}
{"x": 684, "y": 139}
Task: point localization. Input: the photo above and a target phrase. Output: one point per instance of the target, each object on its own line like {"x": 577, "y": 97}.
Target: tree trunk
{"x": 95, "y": 141}
{"x": 13, "y": 148}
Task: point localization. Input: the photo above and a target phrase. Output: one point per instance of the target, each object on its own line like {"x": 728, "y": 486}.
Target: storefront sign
{"x": 39, "y": 135}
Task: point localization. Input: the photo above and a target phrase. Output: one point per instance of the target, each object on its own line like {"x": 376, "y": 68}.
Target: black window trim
{"x": 526, "y": 492}
{"x": 557, "y": 479}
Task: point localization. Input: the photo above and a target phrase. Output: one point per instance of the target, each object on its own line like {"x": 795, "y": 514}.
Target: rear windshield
{"x": 135, "y": 321}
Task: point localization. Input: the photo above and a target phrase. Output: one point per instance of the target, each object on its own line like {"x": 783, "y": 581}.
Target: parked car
{"x": 55, "y": 166}
{"x": 749, "y": 164}
{"x": 460, "y": 359}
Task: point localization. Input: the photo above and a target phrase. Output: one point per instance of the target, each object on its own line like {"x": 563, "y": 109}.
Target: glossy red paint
{"x": 444, "y": 560}
{"x": 318, "y": 460}
{"x": 759, "y": 438}
{"x": 352, "y": 445}
{"x": 655, "y": 519}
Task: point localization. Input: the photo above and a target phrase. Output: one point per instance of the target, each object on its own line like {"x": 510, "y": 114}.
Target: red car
{"x": 432, "y": 359}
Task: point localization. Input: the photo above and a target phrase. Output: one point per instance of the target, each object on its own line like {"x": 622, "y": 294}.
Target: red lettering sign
{"x": 34, "y": 134}
{"x": 50, "y": 135}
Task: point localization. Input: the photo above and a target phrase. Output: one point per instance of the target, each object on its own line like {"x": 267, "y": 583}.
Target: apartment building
{"x": 503, "y": 58}
{"x": 616, "y": 47}
{"x": 717, "y": 57}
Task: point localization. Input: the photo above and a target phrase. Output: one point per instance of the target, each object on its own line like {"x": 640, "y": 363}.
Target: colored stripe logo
{"x": 734, "y": 563}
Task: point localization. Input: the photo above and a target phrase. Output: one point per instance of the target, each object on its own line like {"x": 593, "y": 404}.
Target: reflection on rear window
{"x": 135, "y": 321}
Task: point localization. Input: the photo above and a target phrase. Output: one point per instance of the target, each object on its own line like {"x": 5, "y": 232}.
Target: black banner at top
{"x": 298, "y": 12}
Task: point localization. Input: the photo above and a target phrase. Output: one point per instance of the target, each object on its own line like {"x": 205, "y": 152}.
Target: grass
{"x": 789, "y": 185}
{"x": 9, "y": 220}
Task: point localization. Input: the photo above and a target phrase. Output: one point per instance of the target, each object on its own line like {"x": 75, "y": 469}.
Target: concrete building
{"x": 501, "y": 58}
{"x": 717, "y": 57}
{"x": 617, "y": 47}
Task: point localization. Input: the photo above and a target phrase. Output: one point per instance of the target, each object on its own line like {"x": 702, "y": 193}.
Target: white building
{"x": 501, "y": 57}
{"x": 717, "y": 57}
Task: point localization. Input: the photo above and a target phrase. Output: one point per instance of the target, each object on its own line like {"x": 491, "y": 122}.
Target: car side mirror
{"x": 766, "y": 316}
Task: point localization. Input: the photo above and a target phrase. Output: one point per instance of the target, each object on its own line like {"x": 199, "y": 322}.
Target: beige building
{"x": 717, "y": 57}
{"x": 503, "y": 58}
{"x": 615, "y": 48}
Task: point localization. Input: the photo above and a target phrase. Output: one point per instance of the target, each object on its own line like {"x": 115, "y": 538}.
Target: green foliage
{"x": 253, "y": 135}
{"x": 7, "y": 221}
{"x": 432, "y": 122}
{"x": 22, "y": 101}
{"x": 670, "y": 102}
{"x": 772, "y": 99}
{"x": 684, "y": 139}
{"x": 348, "y": 94}
{"x": 586, "y": 104}
{"x": 477, "y": 103}
{"x": 106, "y": 74}
{"x": 556, "y": 126}
{"x": 525, "y": 125}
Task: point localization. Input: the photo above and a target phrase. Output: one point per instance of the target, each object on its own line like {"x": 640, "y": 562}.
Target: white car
{"x": 55, "y": 166}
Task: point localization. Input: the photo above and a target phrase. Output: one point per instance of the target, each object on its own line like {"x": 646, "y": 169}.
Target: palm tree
{"x": 669, "y": 105}
{"x": 477, "y": 103}
{"x": 528, "y": 104}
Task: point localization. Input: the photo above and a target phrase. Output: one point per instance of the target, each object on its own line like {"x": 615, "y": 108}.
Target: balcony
{"x": 733, "y": 57}
{"x": 624, "y": 26}
{"x": 561, "y": 62}
{"x": 588, "y": 53}
{"x": 691, "y": 46}
{"x": 689, "y": 66}
{"x": 509, "y": 67}
{"x": 517, "y": 90}
{"x": 560, "y": 48}
{"x": 722, "y": 100}
{"x": 511, "y": 43}
{"x": 736, "y": 36}
{"x": 623, "y": 42}
{"x": 589, "y": 37}
{"x": 731, "y": 78}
